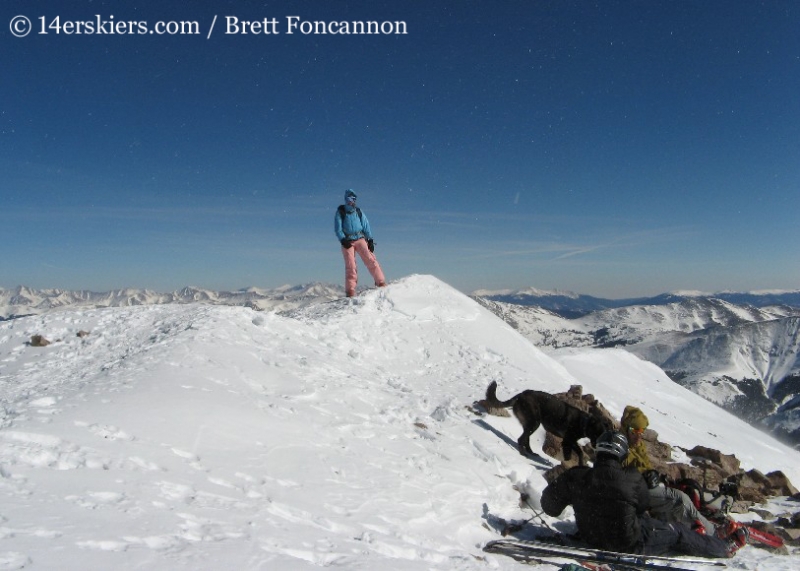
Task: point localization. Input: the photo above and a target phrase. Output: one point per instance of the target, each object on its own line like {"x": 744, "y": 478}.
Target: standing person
{"x": 354, "y": 234}
{"x": 666, "y": 504}
{"x": 610, "y": 504}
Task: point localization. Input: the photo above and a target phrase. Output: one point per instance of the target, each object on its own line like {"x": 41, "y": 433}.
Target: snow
{"x": 528, "y": 291}
{"x": 197, "y": 436}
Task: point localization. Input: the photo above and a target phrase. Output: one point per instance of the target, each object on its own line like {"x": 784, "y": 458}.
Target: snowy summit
{"x": 209, "y": 437}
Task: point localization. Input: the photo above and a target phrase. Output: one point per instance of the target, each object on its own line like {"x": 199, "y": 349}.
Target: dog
{"x": 535, "y": 408}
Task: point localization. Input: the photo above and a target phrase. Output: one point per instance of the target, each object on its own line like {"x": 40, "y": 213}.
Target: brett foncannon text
{"x": 296, "y": 25}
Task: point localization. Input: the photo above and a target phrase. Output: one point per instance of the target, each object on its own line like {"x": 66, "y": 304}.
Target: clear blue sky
{"x": 609, "y": 148}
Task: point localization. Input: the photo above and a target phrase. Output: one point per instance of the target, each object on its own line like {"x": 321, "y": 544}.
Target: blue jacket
{"x": 352, "y": 227}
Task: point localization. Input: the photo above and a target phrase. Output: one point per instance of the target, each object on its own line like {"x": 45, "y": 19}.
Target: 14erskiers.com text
{"x": 21, "y": 26}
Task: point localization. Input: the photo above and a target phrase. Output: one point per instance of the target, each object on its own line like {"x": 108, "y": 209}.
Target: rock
{"x": 728, "y": 463}
{"x": 790, "y": 534}
{"x": 780, "y": 484}
{"x": 762, "y": 513}
{"x": 790, "y": 521}
{"x": 741, "y": 506}
{"x": 38, "y": 341}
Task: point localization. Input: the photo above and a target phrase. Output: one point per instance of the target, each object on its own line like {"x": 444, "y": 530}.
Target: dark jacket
{"x": 608, "y": 501}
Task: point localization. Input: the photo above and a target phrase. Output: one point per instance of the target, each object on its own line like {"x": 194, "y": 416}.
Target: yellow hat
{"x": 632, "y": 417}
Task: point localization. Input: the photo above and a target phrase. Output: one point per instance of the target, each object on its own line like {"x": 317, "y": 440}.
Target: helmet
{"x": 612, "y": 443}
{"x": 349, "y": 195}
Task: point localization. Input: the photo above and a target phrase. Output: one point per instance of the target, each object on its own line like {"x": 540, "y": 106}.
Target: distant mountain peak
{"x": 526, "y": 292}
{"x": 690, "y": 293}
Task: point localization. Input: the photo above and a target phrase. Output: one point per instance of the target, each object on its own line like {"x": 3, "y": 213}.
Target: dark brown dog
{"x": 534, "y": 408}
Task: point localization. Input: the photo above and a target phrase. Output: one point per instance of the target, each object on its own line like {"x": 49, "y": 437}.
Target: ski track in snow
{"x": 208, "y": 437}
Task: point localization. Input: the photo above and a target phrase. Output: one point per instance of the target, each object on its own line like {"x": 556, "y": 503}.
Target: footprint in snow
{"x": 94, "y": 500}
{"x": 42, "y": 403}
{"x": 10, "y": 560}
{"x": 107, "y": 432}
{"x": 184, "y": 454}
{"x": 107, "y": 545}
{"x": 192, "y": 458}
{"x": 145, "y": 464}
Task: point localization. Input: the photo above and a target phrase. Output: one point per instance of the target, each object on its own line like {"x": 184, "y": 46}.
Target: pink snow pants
{"x": 351, "y": 271}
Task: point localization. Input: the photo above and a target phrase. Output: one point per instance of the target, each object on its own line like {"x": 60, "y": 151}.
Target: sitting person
{"x": 666, "y": 504}
{"x": 611, "y": 503}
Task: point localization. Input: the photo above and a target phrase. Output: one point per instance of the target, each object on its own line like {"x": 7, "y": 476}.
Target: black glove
{"x": 346, "y": 243}
{"x": 652, "y": 477}
{"x": 371, "y": 245}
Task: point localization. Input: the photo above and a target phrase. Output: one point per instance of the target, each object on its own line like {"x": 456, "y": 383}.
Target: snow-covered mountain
{"x": 752, "y": 369}
{"x": 738, "y": 356}
{"x": 570, "y": 304}
{"x": 565, "y": 303}
{"x": 28, "y": 301}
{"x": 742, "y": 357}
{"x": 207, "y": 437}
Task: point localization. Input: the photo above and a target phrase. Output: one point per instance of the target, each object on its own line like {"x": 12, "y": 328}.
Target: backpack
{"x": 342, "y": 213}
{"x": 693, "y": 489}
{"x": 713, "y": 505}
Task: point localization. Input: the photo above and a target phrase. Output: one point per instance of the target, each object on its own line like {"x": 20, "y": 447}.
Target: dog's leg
{"x": 527, "y": 417}
{"x": 566, "y": 449}
{"x": 569, "y": 444}
{"x": 524, "y": 440}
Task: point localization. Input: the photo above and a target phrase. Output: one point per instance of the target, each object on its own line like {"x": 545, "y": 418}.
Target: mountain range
{"x": 742, "y": 356}
{"x": 22, "y": 301}
{"x": 738, "y": 350}
{"x": 569, "y": 304}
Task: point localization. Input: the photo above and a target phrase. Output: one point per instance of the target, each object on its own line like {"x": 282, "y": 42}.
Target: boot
{"x": 727, "y": 527}
{"x": 737, "y": 540}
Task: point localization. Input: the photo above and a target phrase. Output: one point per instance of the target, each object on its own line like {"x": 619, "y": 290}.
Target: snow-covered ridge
{"x": 668, "y": 330}
{"x": 201, "y": 436}
{"x": 28, "y": 301}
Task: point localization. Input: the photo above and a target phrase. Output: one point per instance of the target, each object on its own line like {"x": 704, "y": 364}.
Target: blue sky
{"x": 610, "y": 148}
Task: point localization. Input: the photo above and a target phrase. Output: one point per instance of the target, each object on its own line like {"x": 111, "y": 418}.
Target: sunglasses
{"x": 636, "y": 430}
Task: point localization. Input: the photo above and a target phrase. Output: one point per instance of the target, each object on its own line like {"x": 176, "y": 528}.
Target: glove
{"x": 371, "y": 245}
{"x": 652, "y": 477}
{"x": 346, "y": 243}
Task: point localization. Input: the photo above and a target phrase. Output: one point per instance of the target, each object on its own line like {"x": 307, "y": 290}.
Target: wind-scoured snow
{"x": 207, "y": 437}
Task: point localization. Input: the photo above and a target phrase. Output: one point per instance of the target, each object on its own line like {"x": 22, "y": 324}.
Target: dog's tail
{"x": 493, "y": 404}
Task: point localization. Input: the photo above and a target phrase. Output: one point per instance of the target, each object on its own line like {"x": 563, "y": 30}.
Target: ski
{"x": 534, "y": 556}
{"x": 575, "y": 565}
{"x": 530, "y": 551}
{"x": 547, "y": 541}
{"x": 764, "y": 537}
